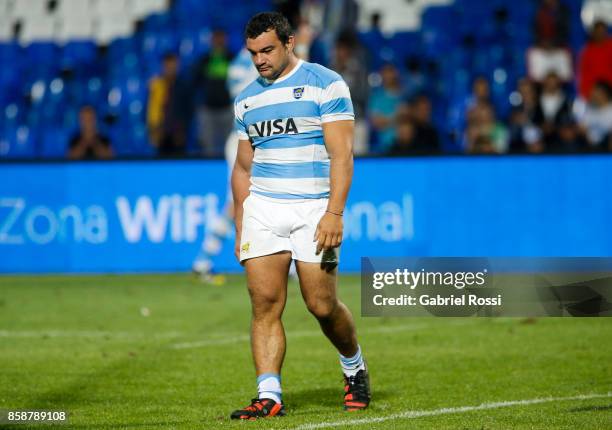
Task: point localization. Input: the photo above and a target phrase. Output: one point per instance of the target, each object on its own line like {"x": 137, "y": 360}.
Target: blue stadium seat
{"x": 10, "y": 51}
{"x": 42, "y": 59}
{"x": 79, "y": 56}
{"x": 120, "y": 47}
{"x": 10, "y": 85}
{"x": 158, "y": 23}
{"x": 406, "y": 43}
{"x": 12, "y": 114}
{"x": 54, "y": 142}
{"x": 18, "y": 142}
{"x": 140, "y": 141}
{"x": 131, "y": 140}
{"x": 437, "y": 35}
{"x": 91, "y": 91}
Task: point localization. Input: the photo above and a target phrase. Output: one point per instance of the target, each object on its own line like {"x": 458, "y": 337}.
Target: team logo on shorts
{"x": 245, "y": 247}
{"x": 298, "y": 92}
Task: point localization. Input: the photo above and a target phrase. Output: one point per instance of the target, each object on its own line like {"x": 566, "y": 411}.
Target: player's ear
{"x": 290, "y": 43}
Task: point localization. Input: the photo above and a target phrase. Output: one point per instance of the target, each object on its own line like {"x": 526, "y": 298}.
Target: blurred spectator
{"x": 304, "y": 36}
{"x": 241, "y": 73}
{"x": 553, "y": 109}
{"x": 426, "y": 135}
{"x": 215, "y": 116}
{"x": 545, "y": 58}
{"x": 88, "y": 143}
{"x": 483, "y": 144}
{"x": 596, "y": 118}
{"x": 341, "y": 15}
{"x": 415, "y": 80}
{"x": 289, "y": 8}
{"x": 348, "y": 62}
{"x": 595, "y": 60}
{"x": 525, "y": 135}
{"x": 383, "y": 105}
{"x": 405, "y": 142}
{"x": 552, "y": 22}
{"x": 374, "y": 40}
{"x": 484, "y": 133}
{"x": 569, "y": 138}
{"x": 481, "y": 94}
{"x": 165, "y": 119}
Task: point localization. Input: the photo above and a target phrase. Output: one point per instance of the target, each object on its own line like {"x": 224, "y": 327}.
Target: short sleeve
{"x": 239, "y": 126}
{"x": 335, "y": 103}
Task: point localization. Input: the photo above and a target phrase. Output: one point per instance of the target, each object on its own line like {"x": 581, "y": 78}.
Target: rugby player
{"x": 290, "y": 182}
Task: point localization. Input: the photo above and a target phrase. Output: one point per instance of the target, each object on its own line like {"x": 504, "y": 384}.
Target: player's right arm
{"x": 241, "y": 179}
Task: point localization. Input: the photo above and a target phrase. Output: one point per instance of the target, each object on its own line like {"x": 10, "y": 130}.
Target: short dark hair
{"x": 265, "y": 21}
{"x": 169, "y": 56}
{"x": 605, "y": 87}
{"x": 88, "y": 107}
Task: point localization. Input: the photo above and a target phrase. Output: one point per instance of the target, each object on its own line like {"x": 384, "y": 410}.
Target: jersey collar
{"x": 288, "y": 75}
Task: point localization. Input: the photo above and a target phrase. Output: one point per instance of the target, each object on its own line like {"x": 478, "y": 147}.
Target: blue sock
{"x": 269, "y": 387}
{"x": 352, "y": 365}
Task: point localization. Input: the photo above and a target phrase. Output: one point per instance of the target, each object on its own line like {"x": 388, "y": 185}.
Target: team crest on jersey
{"x": 298, "y": 92}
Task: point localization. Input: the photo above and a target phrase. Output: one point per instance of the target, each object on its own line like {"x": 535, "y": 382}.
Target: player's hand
{"x": 329, "y": 232}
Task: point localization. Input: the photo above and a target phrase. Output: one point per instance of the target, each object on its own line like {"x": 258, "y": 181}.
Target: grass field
{"x": 85, "y": 344}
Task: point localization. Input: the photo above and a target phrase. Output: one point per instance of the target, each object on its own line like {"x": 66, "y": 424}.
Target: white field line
{"x": 306, "y": 333}
{"x": 86, "y": 334}
{"x": 215, "y": 339}
{"x": 445, "y": 411}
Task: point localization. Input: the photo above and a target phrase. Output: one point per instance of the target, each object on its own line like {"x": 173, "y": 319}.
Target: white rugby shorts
{"x": 271, "y": 225}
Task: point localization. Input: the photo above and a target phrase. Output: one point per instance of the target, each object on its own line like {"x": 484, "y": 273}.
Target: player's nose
{"x": 259, "y": 60}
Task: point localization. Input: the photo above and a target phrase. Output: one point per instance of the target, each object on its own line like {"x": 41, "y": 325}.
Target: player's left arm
{"x": 338, "y": 136}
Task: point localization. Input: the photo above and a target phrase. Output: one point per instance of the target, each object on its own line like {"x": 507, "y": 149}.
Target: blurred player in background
{"x": 240, "y": 74}
{"x": 290, "y": 182}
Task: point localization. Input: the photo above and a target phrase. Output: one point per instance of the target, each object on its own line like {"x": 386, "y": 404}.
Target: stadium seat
{"x": 27, "y": 9}
{"x": 396, "y": 15}
{"x": 4, "y": 7}
{"x": 42, "y": 51}
{"x": 120, "y": 47}
{"x": 406, "y": 43}
{"x": 141, "y": 8}
{"x": 79, "y": 53}
{"x": 157, "y": 22}
{"x": 110, "y": 8}
{"x": 155, "y": 45}
{"x": 6, "y": 28}
{"x": 91, "y": 91}
{"x": 10, "y": 51}
{"x": 18, "y": 142}
{"x": 74, "y": 27}
{"x": 70, "y": 121}
{"x": 109, "y": 27}
{"x": 38, "y": 28}
{"x": 54, "y": 143}
{"x": 11, "y": 116}
{"x": 73, "y": 8}
{"x": 131, "y": 141}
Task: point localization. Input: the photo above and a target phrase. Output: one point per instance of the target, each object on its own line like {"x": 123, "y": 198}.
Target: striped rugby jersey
{"x": 282, "y": 119}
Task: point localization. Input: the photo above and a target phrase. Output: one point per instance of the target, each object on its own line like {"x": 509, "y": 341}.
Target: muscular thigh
{"x": 317, "y": 282}
{"x": 267, "y": 280}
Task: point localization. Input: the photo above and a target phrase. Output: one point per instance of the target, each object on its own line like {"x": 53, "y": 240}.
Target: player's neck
{"x": 291, "y": 65}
